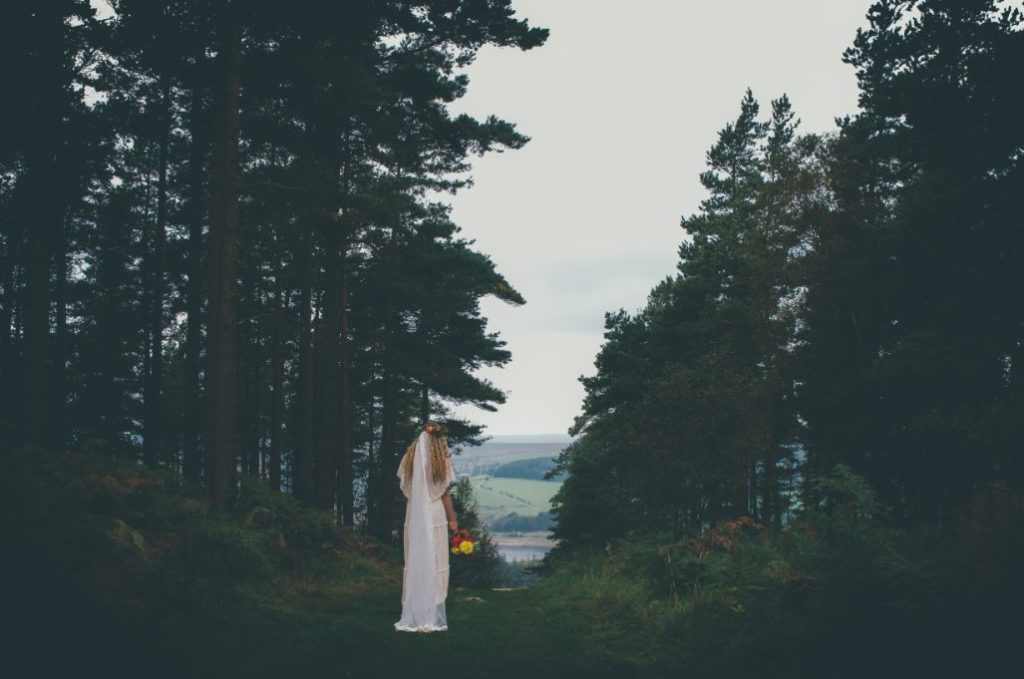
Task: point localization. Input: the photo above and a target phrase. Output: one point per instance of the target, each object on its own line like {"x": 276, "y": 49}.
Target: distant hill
{"x": 532, "y": 468}
{"x": 486, "y": 458}
{"x": 508, "y": 479}
{"x": 531, "y": 438}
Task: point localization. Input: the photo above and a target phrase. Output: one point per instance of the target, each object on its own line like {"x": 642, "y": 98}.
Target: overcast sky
{"x": 621, "y": 105}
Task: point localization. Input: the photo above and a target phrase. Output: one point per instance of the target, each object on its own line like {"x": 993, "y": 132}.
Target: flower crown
{"x": 435, "y": 429}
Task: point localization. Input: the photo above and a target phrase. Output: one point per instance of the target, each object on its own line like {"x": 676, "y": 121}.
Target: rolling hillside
{"x": 507, "y": 476}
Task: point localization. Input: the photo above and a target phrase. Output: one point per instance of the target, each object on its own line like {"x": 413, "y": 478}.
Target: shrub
{"x": 838, "y": 592}
{"x": 483, "y": 567}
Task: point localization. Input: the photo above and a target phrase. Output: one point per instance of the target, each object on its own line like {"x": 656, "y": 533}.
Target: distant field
{"x": 498, "y": 497}
{"x": 536, "y": 493}
{"x": 526, "y": 497}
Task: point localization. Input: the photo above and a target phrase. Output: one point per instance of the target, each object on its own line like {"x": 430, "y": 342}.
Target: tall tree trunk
{"x": 8, "y": 381}
{"x": 772, "y": 498}
{"x": 381, "y": 525}
{"x": 346, "y": 475}
{"x": 43, "y": 198}
{"x": 223, "y": 264}
{"x": 58, "y": 393}
{"x": 277, "y": 381}
{"x": 329, "y": 439}
{"x": 243, "y": 375}
{"x": 303, "y": 468}
{"x": 252, "y": 435}
{"x": 151, "y": 444}
{"x": 192, "y": 463}
{"x": 380, "y": 521}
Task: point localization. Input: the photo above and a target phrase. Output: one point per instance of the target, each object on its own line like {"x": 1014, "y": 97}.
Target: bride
{"x": 425, "y": 475}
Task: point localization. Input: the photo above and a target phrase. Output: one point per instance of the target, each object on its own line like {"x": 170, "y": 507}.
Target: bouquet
{"x": 462, "y": 543}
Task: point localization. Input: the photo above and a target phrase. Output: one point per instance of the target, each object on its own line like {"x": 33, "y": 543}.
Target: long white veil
{"x": 422, "y": 604}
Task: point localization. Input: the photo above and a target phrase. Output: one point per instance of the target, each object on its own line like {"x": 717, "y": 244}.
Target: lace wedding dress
{"x": 426, "y": 569}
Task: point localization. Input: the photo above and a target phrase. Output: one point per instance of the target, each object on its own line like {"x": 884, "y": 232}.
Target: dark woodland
{"x": 231, "y": 292}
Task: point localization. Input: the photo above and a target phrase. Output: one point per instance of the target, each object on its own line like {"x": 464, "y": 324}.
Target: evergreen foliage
{"x": 237, "y": 210}
{"x": 231, "y": 291}
{"x": 840, "y": 299}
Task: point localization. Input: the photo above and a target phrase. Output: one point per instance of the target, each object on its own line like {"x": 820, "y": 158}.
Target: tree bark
{"x": 58, "y": 394}
{"x": 329, "y": 438}
{"x": 192, "y": 463}
{"x": 253, "y": 401}
{"x": 277, "y": 381}
{"x": 44, "y": 192}
{"x": 380, "y": 521}
{"x": 151, "y": 444}
{"x": 346, "y": 475}
{"x": 12, "y": 239}
{"x": 303, "y": 468}
{"x": 223, "y": 265}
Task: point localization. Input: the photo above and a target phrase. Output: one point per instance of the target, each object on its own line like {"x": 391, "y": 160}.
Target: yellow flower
{"x": 466, "y": 547}
{"x": 455, "y": 550}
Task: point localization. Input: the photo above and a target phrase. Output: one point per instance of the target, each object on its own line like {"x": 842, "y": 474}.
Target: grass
{"x": 527, "y": 497}
{"x": 114, "y": 571}
{"x": 319, "y": 629}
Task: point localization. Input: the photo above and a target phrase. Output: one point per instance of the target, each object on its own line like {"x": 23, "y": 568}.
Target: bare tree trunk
{"x": 44, "y": 191}
{"x": 277, "y": 381}
{"x": 772, "y": 499}
{"x": 223, "y": 266}
{"x": 192, "y": 463}
{"x": 151, "y": 444}
{"x": 8, "y": 382}
{"x": 253, "y": 425}
{"x": 329, "y": 438}
{"x": 380, "y": 520}
{"x": 303, "y": 469}
{"x": 345, "y": 471}
{"x": 58, "y": 394}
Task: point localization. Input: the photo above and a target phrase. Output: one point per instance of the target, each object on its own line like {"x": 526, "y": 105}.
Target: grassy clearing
{"x": 117, "y": 572}
{"x": 527, "y": 497}
{"x": 113, "y": 571}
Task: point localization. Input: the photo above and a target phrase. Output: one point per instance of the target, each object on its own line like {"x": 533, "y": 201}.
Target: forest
{"x": 231, "y": 291}
{"x": 278, "y": 293}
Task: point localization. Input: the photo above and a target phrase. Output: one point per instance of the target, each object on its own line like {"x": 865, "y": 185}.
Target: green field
{"x": 497, "y": 496}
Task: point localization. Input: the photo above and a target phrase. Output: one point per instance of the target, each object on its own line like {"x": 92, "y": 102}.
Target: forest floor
{"x": 109, "y": 572}
{"x": 273, "y": 630}
{"x": 492, "y": 633}
{"x": 112, "y": 571}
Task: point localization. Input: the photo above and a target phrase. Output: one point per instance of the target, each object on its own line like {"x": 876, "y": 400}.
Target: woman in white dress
{"x": 425, "y": 475}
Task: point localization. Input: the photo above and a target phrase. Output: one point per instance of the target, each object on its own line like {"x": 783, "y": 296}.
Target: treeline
{"x": 851, "y": 297}
{"x": 516, "y": 522}
{"x": 533, "y": 468}
{"x": 225, "y": 249}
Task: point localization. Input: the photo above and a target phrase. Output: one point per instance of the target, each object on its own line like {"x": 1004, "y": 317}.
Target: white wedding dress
{"x": 426, "y": 571}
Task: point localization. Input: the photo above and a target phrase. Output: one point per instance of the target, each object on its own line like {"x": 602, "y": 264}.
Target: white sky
{"x": 621, "y": 105}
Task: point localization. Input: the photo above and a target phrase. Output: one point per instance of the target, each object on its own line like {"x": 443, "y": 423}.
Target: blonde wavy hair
{"x": 438, "y": 455}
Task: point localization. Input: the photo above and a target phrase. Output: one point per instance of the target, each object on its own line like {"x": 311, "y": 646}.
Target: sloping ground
{"x": 491, "y": 634}
{"x": 499, "y": 496}
{"x": 112, "y": 571}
